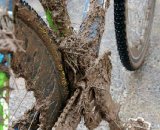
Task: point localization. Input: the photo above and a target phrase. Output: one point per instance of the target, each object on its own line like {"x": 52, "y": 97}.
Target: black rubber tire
{"x": 121, "y": 37}
{"x": 40, "y": 64}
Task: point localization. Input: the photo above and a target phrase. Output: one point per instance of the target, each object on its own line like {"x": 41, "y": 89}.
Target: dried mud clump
{"x": 90, "y": 75}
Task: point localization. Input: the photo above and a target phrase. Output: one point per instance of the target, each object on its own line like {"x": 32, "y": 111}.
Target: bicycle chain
{"x": 63, "y": 115}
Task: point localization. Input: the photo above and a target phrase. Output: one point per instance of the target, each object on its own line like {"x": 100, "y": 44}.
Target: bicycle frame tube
{"x": 86, "y": 8}
{"x": 87, "y": 4}
{"x": 92, "y": 26}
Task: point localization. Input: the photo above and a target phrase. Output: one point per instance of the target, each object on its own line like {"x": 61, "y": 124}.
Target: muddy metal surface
{"x": 138, "y": 92}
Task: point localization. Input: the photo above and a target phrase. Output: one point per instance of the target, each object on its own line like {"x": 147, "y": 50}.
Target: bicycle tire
{"x": 40, "y": 65}
{"x": 120, "y": 17}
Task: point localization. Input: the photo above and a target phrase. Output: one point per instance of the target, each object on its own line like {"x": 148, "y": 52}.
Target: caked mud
{"x": 51, "y": 67}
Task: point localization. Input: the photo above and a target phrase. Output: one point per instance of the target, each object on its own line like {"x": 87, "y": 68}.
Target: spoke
{"x": 18, "y": 106}
{"x": 33, "y": 120}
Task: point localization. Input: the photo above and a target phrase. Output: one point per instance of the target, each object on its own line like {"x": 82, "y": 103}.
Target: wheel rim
{"x": 139, "y": 17}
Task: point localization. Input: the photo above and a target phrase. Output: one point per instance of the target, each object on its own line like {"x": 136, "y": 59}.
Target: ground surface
{"x": 138, "y": 92}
